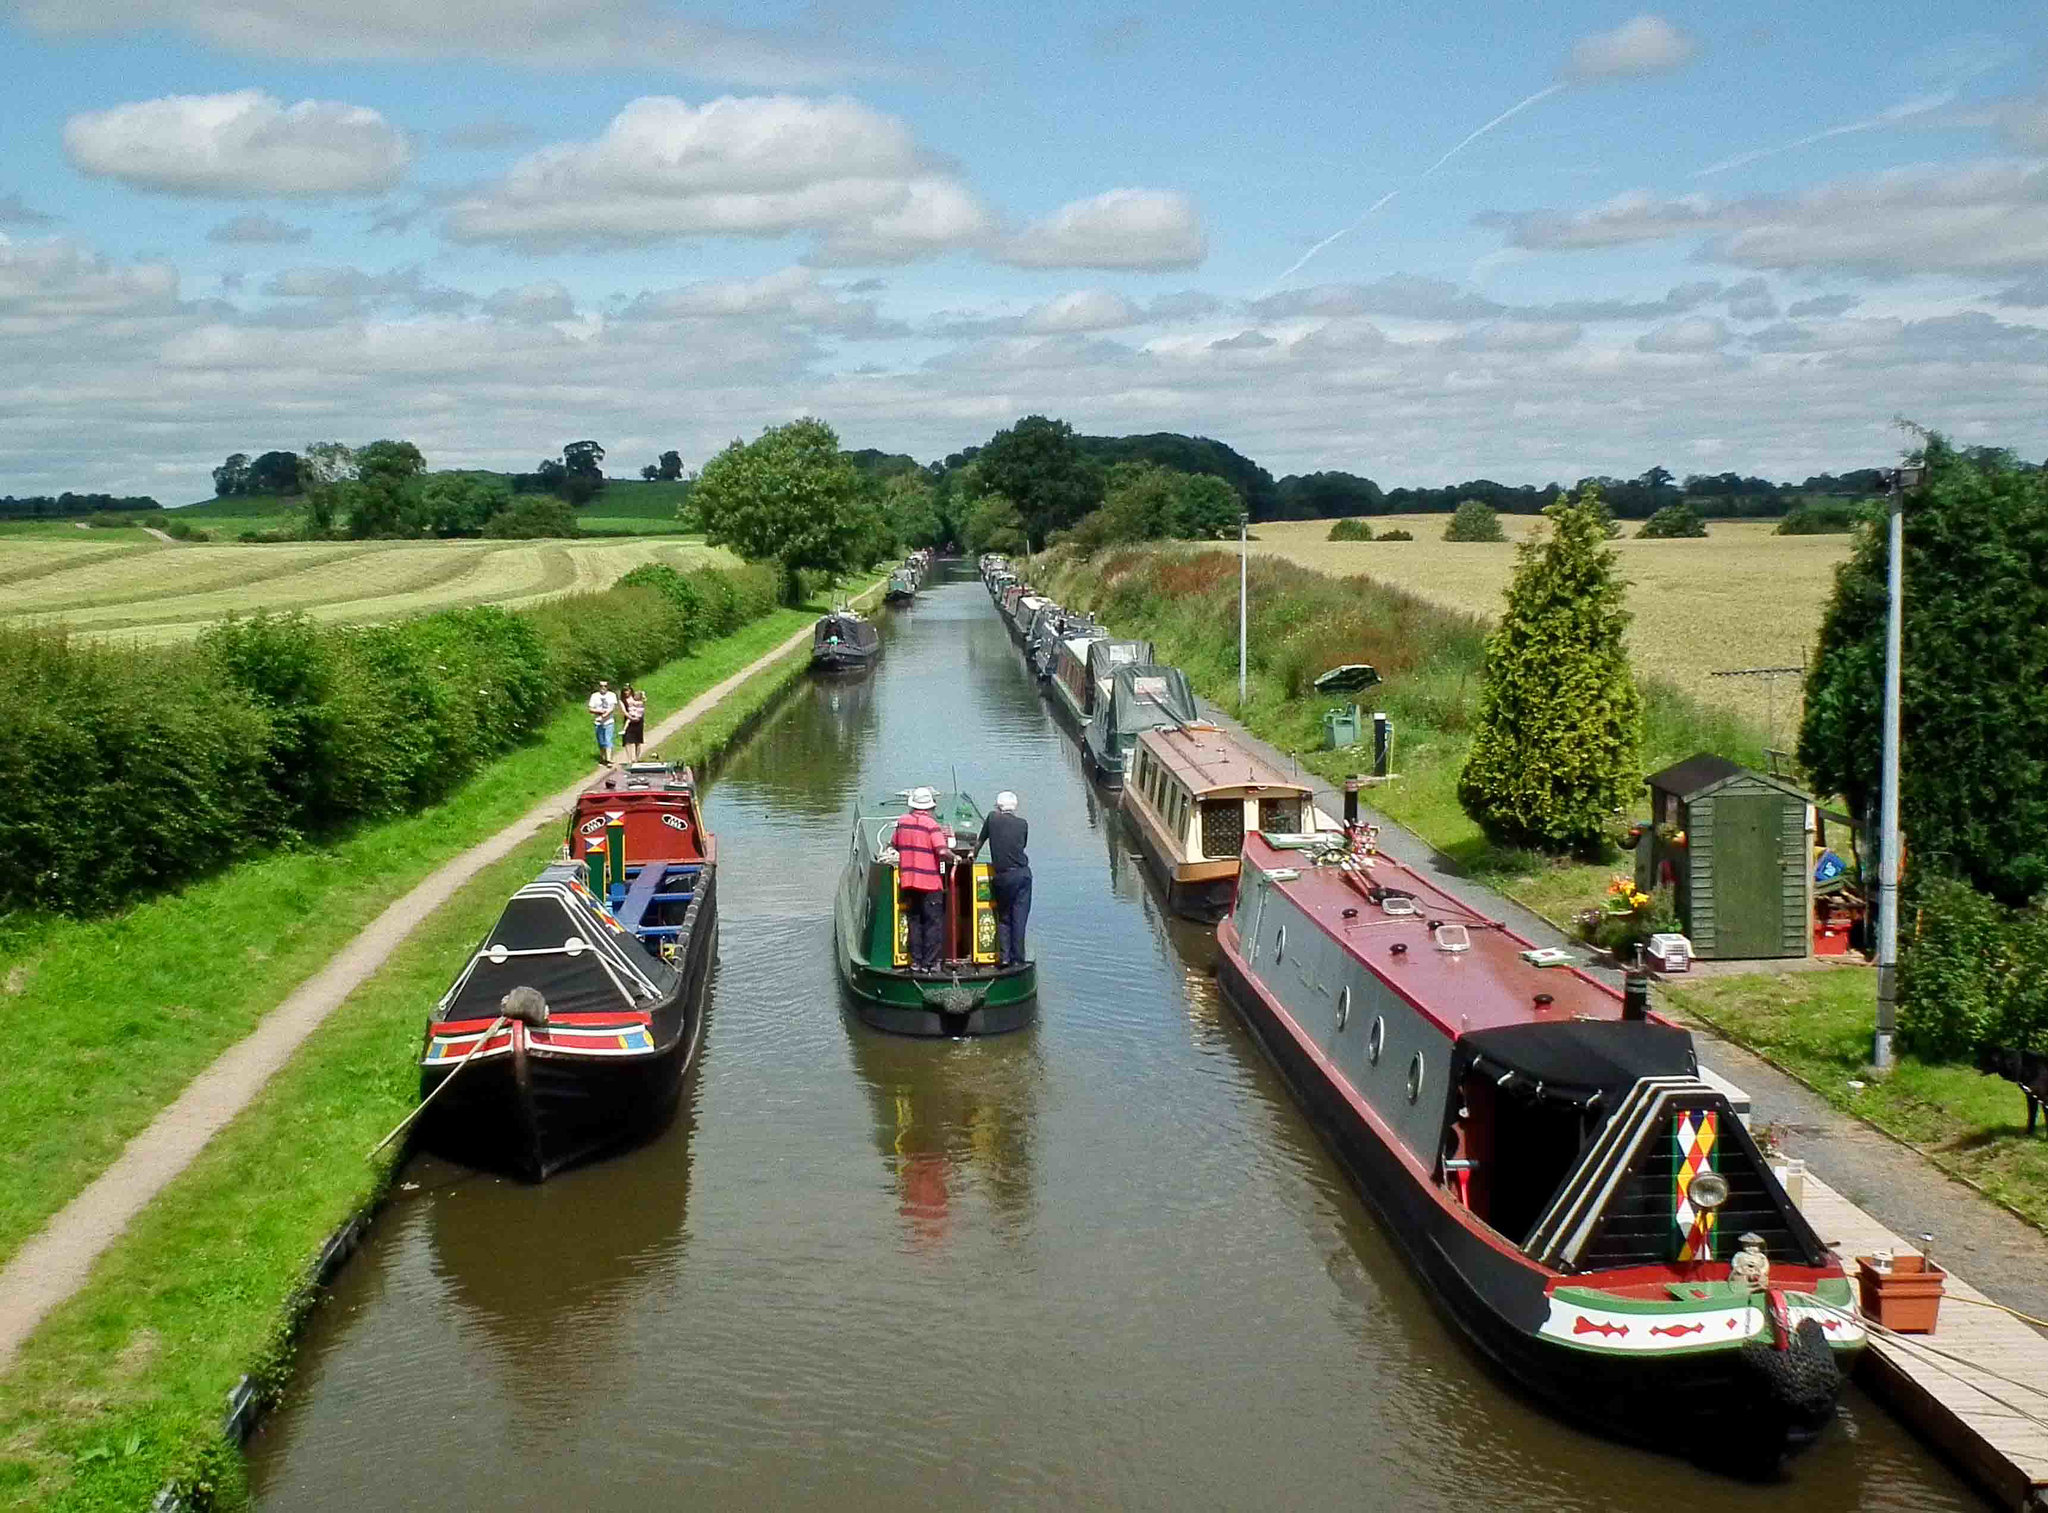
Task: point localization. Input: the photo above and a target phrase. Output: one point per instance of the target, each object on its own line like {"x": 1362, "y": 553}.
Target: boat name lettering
{"x": 592, "y": 825}
{"x": 675, "y": 822}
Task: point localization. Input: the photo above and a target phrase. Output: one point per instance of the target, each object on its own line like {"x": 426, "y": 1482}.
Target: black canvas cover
{"x": 1143, "y": 698}
{"x": 605, "y": 970}
{"x": 1579, "y": 1058}
{"x": 847, "y": 630}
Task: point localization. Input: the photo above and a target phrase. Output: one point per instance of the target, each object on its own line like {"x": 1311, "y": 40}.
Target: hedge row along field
{"x": 125, "y": 770}
{"x": 155, "y": 592}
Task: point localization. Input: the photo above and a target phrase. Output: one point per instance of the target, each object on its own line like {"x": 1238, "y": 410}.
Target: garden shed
{"x": 1734, "y": 846}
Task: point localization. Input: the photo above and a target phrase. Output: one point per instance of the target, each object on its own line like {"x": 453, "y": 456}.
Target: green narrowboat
{"x": 968, "y": 993}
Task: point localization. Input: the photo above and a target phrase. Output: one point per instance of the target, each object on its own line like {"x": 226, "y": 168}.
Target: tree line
{"x": 63, "y": 506}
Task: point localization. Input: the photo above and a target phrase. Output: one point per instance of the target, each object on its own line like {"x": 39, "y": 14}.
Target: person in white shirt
{"x": 603, "y": 704}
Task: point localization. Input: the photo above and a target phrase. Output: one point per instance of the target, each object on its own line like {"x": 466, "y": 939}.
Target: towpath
{"x": 2002, "y": 1255}
{"x": 55, "y": 1263}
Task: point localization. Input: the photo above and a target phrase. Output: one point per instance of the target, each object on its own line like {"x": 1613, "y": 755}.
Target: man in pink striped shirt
{"x": 922, "y": 846}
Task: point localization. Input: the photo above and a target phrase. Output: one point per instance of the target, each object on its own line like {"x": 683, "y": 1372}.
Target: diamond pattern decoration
{"x": 1694, "y": 1133}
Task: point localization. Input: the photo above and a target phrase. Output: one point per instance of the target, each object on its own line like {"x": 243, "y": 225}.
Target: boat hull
{"x": 844, "y": 660}
{"x": 1202, "y": 899}
{"x": 531, "y": 1112}
{"x": 1714, "y": 1408}
{"x": 986, "y": 1001}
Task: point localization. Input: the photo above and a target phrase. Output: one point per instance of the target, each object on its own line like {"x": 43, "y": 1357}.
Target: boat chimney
{"x": 615, "y": 848}
{"x": 1351, "y": 786}
{"x": 1635, "y": 991}
{"x": 593, "y": 858}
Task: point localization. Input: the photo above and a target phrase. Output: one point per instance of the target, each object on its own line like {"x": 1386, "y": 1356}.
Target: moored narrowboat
{"x": 902, "y": 588}
{"x": 1194, "y": 794}
{"x": 1586, "y": 1208}
{"x": 844, "y": 641}
{"x": 571, "y": 1028}
{"x": 1136, "y": 699}
{"x": 1070, "y": 688}
{"x": 969, "y": 993}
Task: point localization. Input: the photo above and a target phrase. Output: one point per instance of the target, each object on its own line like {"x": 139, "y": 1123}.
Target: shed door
{"x": 1748, "y": 880}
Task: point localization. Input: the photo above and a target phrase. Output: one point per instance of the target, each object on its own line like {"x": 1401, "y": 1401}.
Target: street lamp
{"x": 1901, "y": 479}
{"x": 1243, "y": 580}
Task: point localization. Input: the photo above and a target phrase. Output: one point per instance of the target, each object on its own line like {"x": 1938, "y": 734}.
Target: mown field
{"x": 1740, "y": 598}
{"x": 627, "y": 507}
{"x": 147, "y": 590}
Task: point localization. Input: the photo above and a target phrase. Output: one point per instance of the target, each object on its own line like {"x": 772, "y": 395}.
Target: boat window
{"x": 1415, "y": 1078}
{"x": 1343, "y": 1010}
{"x": 1281, "y": 816}
{"x": 1279, "y": 943}
{"x": 1376, "y": 1040}
{"x": 1222, "y": 827}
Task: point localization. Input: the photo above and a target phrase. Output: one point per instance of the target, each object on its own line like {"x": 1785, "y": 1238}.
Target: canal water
{"x": 1101, "y": 1262}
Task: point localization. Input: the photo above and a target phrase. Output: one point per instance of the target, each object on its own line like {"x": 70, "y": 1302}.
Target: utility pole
{"x": 1243, "y": 584}
{"x": 1888, "y": 825}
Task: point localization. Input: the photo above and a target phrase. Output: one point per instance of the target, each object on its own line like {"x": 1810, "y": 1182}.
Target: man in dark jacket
{"x": 1005, "y": 832}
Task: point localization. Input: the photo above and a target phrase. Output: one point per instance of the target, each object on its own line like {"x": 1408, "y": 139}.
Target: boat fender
{"x": 525, "y": 1004}
{"x": 1797, "y": 1373}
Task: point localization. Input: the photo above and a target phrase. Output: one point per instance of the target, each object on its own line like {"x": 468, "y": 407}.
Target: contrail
{"x": 1507, "y": 115}
{"x": 1902, "y": 112}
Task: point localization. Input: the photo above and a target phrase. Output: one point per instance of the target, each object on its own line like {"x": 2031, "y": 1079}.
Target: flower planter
{"x": 1903, "y": 1298}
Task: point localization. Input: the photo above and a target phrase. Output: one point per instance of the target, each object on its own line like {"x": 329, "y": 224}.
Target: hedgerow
{"x": 125, "y": 770}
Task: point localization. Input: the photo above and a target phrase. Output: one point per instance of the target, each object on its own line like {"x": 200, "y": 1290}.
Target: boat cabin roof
{"x": 876, "y": 821}
{"x": 1207, "y": 759}
{"x": 1487, "y": 985}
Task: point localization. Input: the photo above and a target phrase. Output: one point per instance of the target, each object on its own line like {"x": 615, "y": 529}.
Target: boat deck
{"x": 1977, "y": 1387}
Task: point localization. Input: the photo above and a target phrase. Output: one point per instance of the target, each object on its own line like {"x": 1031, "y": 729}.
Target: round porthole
{"x": 573, "y": 945}
{"x": 1279, "y": 942}
{"x": 498, "y": 955}
{"x": 1343, "y": 1010}
{"x": 1376, "y": 1041}
{"x": 1415, "y": 1078}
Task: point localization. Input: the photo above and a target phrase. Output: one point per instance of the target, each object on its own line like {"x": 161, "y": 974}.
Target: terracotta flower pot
{"x": 1904, "y": 1299}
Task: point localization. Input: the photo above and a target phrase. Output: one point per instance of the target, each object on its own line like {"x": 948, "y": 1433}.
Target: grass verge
{"x": 123, "y": 1388}
{"x": 1816, "y": 1026}
{"x": 111, "y": 1017}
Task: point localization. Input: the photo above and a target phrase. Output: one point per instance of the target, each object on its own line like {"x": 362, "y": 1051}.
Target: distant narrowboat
{"x": 844, "y": 641}
{"x": 1081, "y": 674}
{"x": 1138, "y": 699}
{"x": 968, "y": 994}
{"x": 902, "y": 587}
{"x": 1195, "y": 794}
{"x": 584, "y": 1006}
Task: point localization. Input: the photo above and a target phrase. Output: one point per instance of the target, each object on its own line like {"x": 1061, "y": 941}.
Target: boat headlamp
{"x": 1707, "y": 1191}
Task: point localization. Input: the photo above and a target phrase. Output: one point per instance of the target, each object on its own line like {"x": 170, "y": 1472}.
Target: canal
{"x": 1101, "y": 1262}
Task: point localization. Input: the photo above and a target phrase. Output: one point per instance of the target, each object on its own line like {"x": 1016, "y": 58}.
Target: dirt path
{"x": 164, "y": 536}
{"x": 55, "y": 1263}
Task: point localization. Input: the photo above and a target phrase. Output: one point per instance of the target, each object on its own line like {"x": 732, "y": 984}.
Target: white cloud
{"x": 761, "y": 166}
{"x": 257, "y": 230}
{"x": 546, "y": 299}
{"x": 793, "y": 297}
{"x": 240, "y": 146}
{"x": 1752, "y": 300}
{"x": 1145, "y": 229}
{"x": 1082, "y": 310}
{"x": 48, "y": 285}
{"x": 15, "y": 212}
{"x": 1698, "y": 334}
{"x": 1521, "y": 336}
{"x": 1636, "y": 216}
{"x": 550, "y": 34}
{"x": 1646, "y": 44}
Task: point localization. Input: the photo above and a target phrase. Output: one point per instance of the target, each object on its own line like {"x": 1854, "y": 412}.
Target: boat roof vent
{"x": 1453, "y": 938}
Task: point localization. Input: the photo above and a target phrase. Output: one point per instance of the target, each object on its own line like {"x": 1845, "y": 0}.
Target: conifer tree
{"x": 1558, "y": 747}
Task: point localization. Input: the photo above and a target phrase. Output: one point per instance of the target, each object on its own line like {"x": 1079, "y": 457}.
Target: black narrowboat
{"x": 844, "y": 641}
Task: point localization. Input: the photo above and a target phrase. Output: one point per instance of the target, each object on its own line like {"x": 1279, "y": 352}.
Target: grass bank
{"x": 111, "y": 1017}
{"x": 1816, "y": 1025}
{"x": 122, "y": 1389}
{"x": 1303, "y": 622}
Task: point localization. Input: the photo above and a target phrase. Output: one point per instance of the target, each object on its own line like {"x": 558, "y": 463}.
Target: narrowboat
{"x": 1053, "y": 625}
{"x": 844, "y": 641}
{"x": 1587, "y": 1209}
{"x": 902, "y": 587}
{"x": 1138, "y": 698}
{"x": 1026, "y": 615}
{"x": 1011, "y": 607}
{"x": 1081, "y": 674}
{"x": 968, "y": 994}
{"x": 1193, "y": 795}
{"x": 584, "y": 1006}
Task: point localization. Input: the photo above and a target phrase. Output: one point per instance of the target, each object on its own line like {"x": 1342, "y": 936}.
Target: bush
{"x": 184, "y": 530}
{"x": 1673, "y": 522}
{"x": 531, "y": 518}
{"x": 1350, "y": 530}
{"x": 1474, "y": 521}
{"x": 125, "y": 770}
{"x": 1823, "y": 517}
{"x": 1969, "y": 972}
{"x": 1397, "y": 534}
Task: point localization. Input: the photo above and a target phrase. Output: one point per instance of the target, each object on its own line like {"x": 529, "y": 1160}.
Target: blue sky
{"x": 1739, "y": 237}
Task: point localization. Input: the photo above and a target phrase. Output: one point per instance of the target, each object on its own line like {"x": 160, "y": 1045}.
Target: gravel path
{"x": 54, "y": 1264}
{"x": 2003, "y": 1256}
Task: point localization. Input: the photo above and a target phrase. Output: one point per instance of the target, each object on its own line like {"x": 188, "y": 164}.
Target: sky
{"x": 1423, "y": 243}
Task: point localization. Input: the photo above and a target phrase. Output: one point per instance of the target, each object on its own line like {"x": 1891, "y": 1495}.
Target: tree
{"x": 909, "y": 504}
{"x": 326, "y": 468}
{"x": 649, "y": 472}
{"x": 1038, "y": 468}
{"x": 461, "y": 504}
{"x": 1350, "y": 530}
{"x": 1559, "y": 737}
{"x": 531, "y": 518}
{"x": 1671, "y": 522}
{"x": 582, "y": 472}
{"x": 1973, "y": 791}
{"x": 232, "y": 476}
{"x": 669, "y": 467}
{"x": 1476, "y": 521}
{"x": 1656, "y": 478}
{"x": 274, "y": 473}
{"x": 1209, "y": 508}
{"x": 383, "y": 499}
{"x": 993, "y": 525}
{"x": 788, "y": 497}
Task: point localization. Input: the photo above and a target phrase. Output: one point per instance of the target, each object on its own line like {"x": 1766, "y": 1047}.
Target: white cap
{"x": 1006, "y": 801}
{"x": 923, "y": 798}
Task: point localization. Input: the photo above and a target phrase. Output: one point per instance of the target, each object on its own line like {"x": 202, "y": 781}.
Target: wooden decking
{"x": 1977, "y": 1387}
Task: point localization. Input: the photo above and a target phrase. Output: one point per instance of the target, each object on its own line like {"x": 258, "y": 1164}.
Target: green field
{"x": 104, "y": 582}
{"x": 627, "y": 507}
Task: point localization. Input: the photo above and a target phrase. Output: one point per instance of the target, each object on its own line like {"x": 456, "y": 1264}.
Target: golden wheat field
{"x": 165, "y": 592}
{"x": 1741, "y": 598}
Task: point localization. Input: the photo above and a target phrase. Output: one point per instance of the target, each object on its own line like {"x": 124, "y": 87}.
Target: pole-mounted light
{"x": 1901, "y": 479}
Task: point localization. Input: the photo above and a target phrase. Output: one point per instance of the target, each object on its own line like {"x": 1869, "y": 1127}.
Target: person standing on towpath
{"x": 1006, "y": 832}
{"x": 921, "y": 847}
{"x": 603, "y": 703}
{"x": 633, "y": 704}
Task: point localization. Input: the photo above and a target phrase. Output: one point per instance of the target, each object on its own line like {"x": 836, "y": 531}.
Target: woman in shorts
{"x": 634, "y": 705}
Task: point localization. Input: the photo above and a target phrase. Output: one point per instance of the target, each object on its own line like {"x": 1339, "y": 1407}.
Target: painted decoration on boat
{"x": 1693, "y": 1133}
